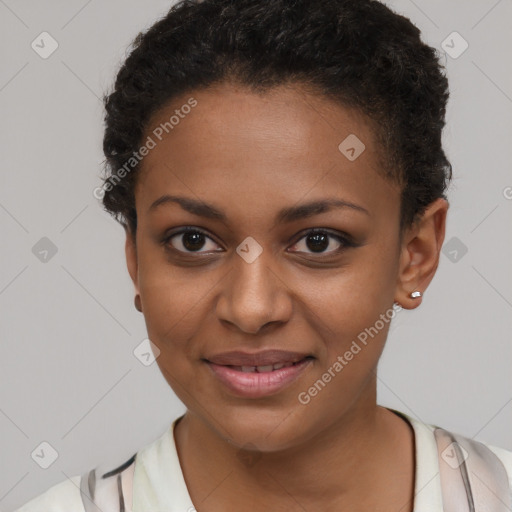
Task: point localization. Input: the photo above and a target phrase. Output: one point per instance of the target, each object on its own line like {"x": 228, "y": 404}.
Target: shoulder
{"x": 487, "y": 468}
{"x": 497, "y": 457}
{"x": 505, "y": 456}
{"x": 97, "y": 489}
{"x": 461, "y": 465}
{"x": 62, "y": 497}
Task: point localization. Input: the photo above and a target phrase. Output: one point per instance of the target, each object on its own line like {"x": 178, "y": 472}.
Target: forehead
{"x": 240, "y": 148}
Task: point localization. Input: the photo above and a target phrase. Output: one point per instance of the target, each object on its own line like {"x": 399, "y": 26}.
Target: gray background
{"x": 68, "y": 327}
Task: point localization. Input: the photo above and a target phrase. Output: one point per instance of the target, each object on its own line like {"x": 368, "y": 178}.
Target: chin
{"x": 264, "y": 430}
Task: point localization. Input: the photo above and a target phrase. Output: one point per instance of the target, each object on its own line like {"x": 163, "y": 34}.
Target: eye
{"x": 318, "y": 240}
{"x": 189, "y": 240}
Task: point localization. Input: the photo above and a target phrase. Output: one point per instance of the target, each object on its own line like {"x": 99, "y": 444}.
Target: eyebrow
{"x": 289, "y": 214}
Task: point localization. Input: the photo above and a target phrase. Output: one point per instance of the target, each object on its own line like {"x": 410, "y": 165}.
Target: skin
{"x": 251, "y": 155}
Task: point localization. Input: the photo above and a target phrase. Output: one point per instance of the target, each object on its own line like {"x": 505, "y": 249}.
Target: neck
{"x": 348, "y": 464}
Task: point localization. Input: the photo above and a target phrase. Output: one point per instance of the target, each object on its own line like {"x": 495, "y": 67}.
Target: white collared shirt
{"x": 159, "y": 484}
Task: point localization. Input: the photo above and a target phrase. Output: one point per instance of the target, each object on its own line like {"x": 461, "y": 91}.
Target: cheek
{"x": 178, "y": 305}
{"x": 353, "y": 311}
{"x": 353, "y": 348}
{"x": 354, "y": 330}
{"x": 174, "y": 301}
{"x": 353, "y": 299}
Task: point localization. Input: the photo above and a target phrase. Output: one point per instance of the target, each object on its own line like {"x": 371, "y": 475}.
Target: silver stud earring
{"x": 415, "y": 295}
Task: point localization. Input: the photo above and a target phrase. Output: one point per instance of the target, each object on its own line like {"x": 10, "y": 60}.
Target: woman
{"x": 278, "y": 169}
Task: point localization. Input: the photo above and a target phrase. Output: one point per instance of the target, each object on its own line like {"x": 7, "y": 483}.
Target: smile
{"x": 263, "y": 369}
{"x": 259, "y": 381}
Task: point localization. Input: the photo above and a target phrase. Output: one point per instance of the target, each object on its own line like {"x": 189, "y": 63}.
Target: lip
{"x": 262, "y": 358}
{"x": 258, "y": 384}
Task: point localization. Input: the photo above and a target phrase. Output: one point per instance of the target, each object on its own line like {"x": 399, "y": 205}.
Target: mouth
{"x": 262, "y": 359}
{"x": 258, "y": 375}
{"x": 266, "y": 368}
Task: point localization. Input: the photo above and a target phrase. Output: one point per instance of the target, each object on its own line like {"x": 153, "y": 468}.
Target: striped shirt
{"x": 152, "y": 480}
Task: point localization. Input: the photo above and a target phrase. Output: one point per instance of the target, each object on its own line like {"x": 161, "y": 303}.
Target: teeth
{"x": 263, "y": 369}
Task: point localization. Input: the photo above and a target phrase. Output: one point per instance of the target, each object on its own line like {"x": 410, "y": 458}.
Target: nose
{"x": 254, "y": 296}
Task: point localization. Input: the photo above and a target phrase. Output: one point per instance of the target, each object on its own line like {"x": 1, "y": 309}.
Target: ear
{"x": 419, "y": 253}
{"x": 131, "y": 258}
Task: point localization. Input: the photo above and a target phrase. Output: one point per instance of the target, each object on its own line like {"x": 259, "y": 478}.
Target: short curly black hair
{"x": 360, "y": 54}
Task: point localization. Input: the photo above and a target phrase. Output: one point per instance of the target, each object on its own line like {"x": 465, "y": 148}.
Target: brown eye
{"x": 190, "y": 240}
{"x": 319, "y": 240}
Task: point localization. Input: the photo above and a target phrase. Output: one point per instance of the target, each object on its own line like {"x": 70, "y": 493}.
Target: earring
{"x": 415, "y": 295}
{"x": 136, "y": 301}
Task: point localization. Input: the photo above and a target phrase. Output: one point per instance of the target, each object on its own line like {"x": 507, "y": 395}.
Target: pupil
{"x": 193, "y": 240}
{"x": 320, "y": 241}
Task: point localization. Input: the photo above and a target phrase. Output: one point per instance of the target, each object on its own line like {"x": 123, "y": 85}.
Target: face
{"x": 297, "y": 251}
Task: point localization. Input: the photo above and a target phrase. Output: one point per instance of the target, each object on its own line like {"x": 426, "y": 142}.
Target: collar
{"x": 158, "y": 482}
{"x": 427, "y": 485}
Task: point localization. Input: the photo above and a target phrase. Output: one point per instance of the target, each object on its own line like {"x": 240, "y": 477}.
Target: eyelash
{"x": 345, "y": 241}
